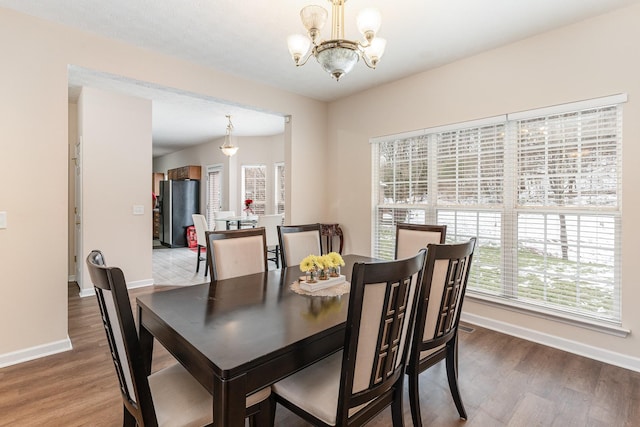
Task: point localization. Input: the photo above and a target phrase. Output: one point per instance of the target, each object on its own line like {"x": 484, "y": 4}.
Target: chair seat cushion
{"x": 315, "y": 389}
{"x": 179, "y": 399}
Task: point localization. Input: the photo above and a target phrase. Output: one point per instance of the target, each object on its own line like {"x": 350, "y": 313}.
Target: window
{"x": 214, "y": 191}
{"x": 279, "y": 188}
{"x": 254, "y": 186}
{"x": 539, "y": 189}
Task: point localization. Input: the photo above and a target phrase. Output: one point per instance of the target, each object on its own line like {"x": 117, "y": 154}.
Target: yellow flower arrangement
{"x": 308, "y": 264}
{"x": 335, "y": 259}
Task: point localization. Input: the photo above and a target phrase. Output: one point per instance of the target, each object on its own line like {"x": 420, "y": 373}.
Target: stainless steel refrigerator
{"x": 177, "y": 202}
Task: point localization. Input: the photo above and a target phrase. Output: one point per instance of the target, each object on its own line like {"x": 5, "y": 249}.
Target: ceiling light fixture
{"x": 228, "y": 149}
{"x": 337, "y": 56}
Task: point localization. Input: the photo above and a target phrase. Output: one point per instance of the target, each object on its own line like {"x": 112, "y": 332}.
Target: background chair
{"x": 200, "y": 222}
{"x": 410, "y": 238}
{"x": 218, "y": 215}
{"x": 169, "y": 397}
{"x": 235, "y": 253}
{"x": 297, "y": 242}
{"x": 435, "y": 335}
{"x": 353, "y": 385}
{"x": 270, "y": 224}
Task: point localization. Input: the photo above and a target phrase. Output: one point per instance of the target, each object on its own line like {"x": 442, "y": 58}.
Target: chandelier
{"x": 337, "y": 56}
{"x": 228, "y": 149}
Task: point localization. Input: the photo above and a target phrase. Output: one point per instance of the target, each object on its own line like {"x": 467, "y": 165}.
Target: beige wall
{"x": 115, "y": 132}
{"x": 34, "y": 138}
{"x": 265, "y": 150}
{"x": 594, "y": 58}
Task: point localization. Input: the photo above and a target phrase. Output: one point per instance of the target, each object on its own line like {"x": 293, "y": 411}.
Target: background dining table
{"x": 239, "y": 335}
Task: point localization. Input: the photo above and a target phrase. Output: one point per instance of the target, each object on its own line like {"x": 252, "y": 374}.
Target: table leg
{"x": 229, "y": 400}
{"x": 146, "y": 343}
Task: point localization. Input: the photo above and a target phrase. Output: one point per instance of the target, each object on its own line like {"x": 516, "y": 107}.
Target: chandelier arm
{"x": 367, "y": 61}
{"x": 306, "y": 58}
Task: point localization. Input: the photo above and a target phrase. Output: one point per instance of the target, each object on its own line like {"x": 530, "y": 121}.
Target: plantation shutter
{"x": 214, "y": 200}
{"x": 401, "y": 188}
{"x": 568, "y": 202}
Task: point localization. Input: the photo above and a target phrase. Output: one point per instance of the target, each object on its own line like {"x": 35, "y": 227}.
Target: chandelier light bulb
{"x": 298, "y": 46}
{"x": 369, "y": 21}
{"x": 375, "y": 50}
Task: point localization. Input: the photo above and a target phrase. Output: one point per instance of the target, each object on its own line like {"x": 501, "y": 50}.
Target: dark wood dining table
{"x": 238, "y": 335}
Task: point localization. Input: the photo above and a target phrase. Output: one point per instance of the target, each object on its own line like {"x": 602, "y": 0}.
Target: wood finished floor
{"x": 505, "y": 381}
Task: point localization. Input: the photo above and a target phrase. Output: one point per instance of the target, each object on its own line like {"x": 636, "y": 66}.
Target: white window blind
{"x": 214, "y": 189}
{"x": 541, "y": 190}
{"x": 279, "y": 188}
{"x": 254, "y": 187}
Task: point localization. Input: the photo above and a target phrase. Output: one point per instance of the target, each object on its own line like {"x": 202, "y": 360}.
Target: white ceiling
{"x": 248, "y": 38}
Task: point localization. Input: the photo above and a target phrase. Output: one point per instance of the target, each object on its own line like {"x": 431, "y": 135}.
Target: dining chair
{"x": 235, "y": 253}
{"x": 354, "y": 384}
{"x": 219, "y": 215}
{"x": 410, "y": 238}
{"x": 168, "y": 397}
{"x": 200, "y": 222}
{"x": 270, "y": 224}
{"x": 298, "y": 242}
{"x": 435, "y": 335}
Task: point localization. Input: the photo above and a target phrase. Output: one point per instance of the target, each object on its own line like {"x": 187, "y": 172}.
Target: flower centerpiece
{"x": 321, "y": 267}
{"x": 309, "y": 266}
{"x": 247, "y": 207}
{"x": 334, "y": 262}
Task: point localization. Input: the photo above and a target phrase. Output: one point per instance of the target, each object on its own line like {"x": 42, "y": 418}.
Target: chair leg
{"x": 128, "y": 420}
{"x": 452, "y": 376}
{"x": 206, "y": 266}
{"x": 265, "y": 417}
{"x": 396, "y": 406}
{"x": 414, "y": 399}
{"x": 277, "y": 256}
{"x": 198, "y": 259}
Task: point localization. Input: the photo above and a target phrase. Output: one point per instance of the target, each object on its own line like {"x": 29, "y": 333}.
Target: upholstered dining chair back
{"x": 218, "y": 215}
{"x": 111, "y": 292}
{"x": 371, "y": 365}
{"x": 270, "y": 224}
{"x": 299, "y": 241}
{"x": 200, "y": 222}
{"x": 235, "y": 253}
{"x": 410, "y": 238}
{"x": 435, "y": 334}
{"x": 170, "y": 396}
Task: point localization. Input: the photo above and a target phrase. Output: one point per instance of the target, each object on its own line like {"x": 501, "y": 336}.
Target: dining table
{"x": 239, "y": 335}
{"x": 239, "y": 221}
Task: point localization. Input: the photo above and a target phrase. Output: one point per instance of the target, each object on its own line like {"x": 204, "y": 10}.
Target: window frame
{"x": 259, "y": 207}
{"x": 509, "y": 210}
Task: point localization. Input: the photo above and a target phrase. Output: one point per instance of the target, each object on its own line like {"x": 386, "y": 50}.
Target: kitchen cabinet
{"x": 185, "y": 172}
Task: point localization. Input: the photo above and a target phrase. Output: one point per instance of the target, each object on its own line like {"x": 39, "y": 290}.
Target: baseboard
{"x": 72, "y": 278}
{"x": 87, "y": 292}
{"x": 596, "y": 353}
{"x": 36, "y": 352}
{"x": 139, "y": 283}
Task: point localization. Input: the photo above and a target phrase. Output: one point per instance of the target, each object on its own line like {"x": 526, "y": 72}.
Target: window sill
{"x": 602, "y": 327}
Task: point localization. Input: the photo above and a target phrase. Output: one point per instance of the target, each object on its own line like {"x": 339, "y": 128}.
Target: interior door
{"x": 78, "y": 213}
